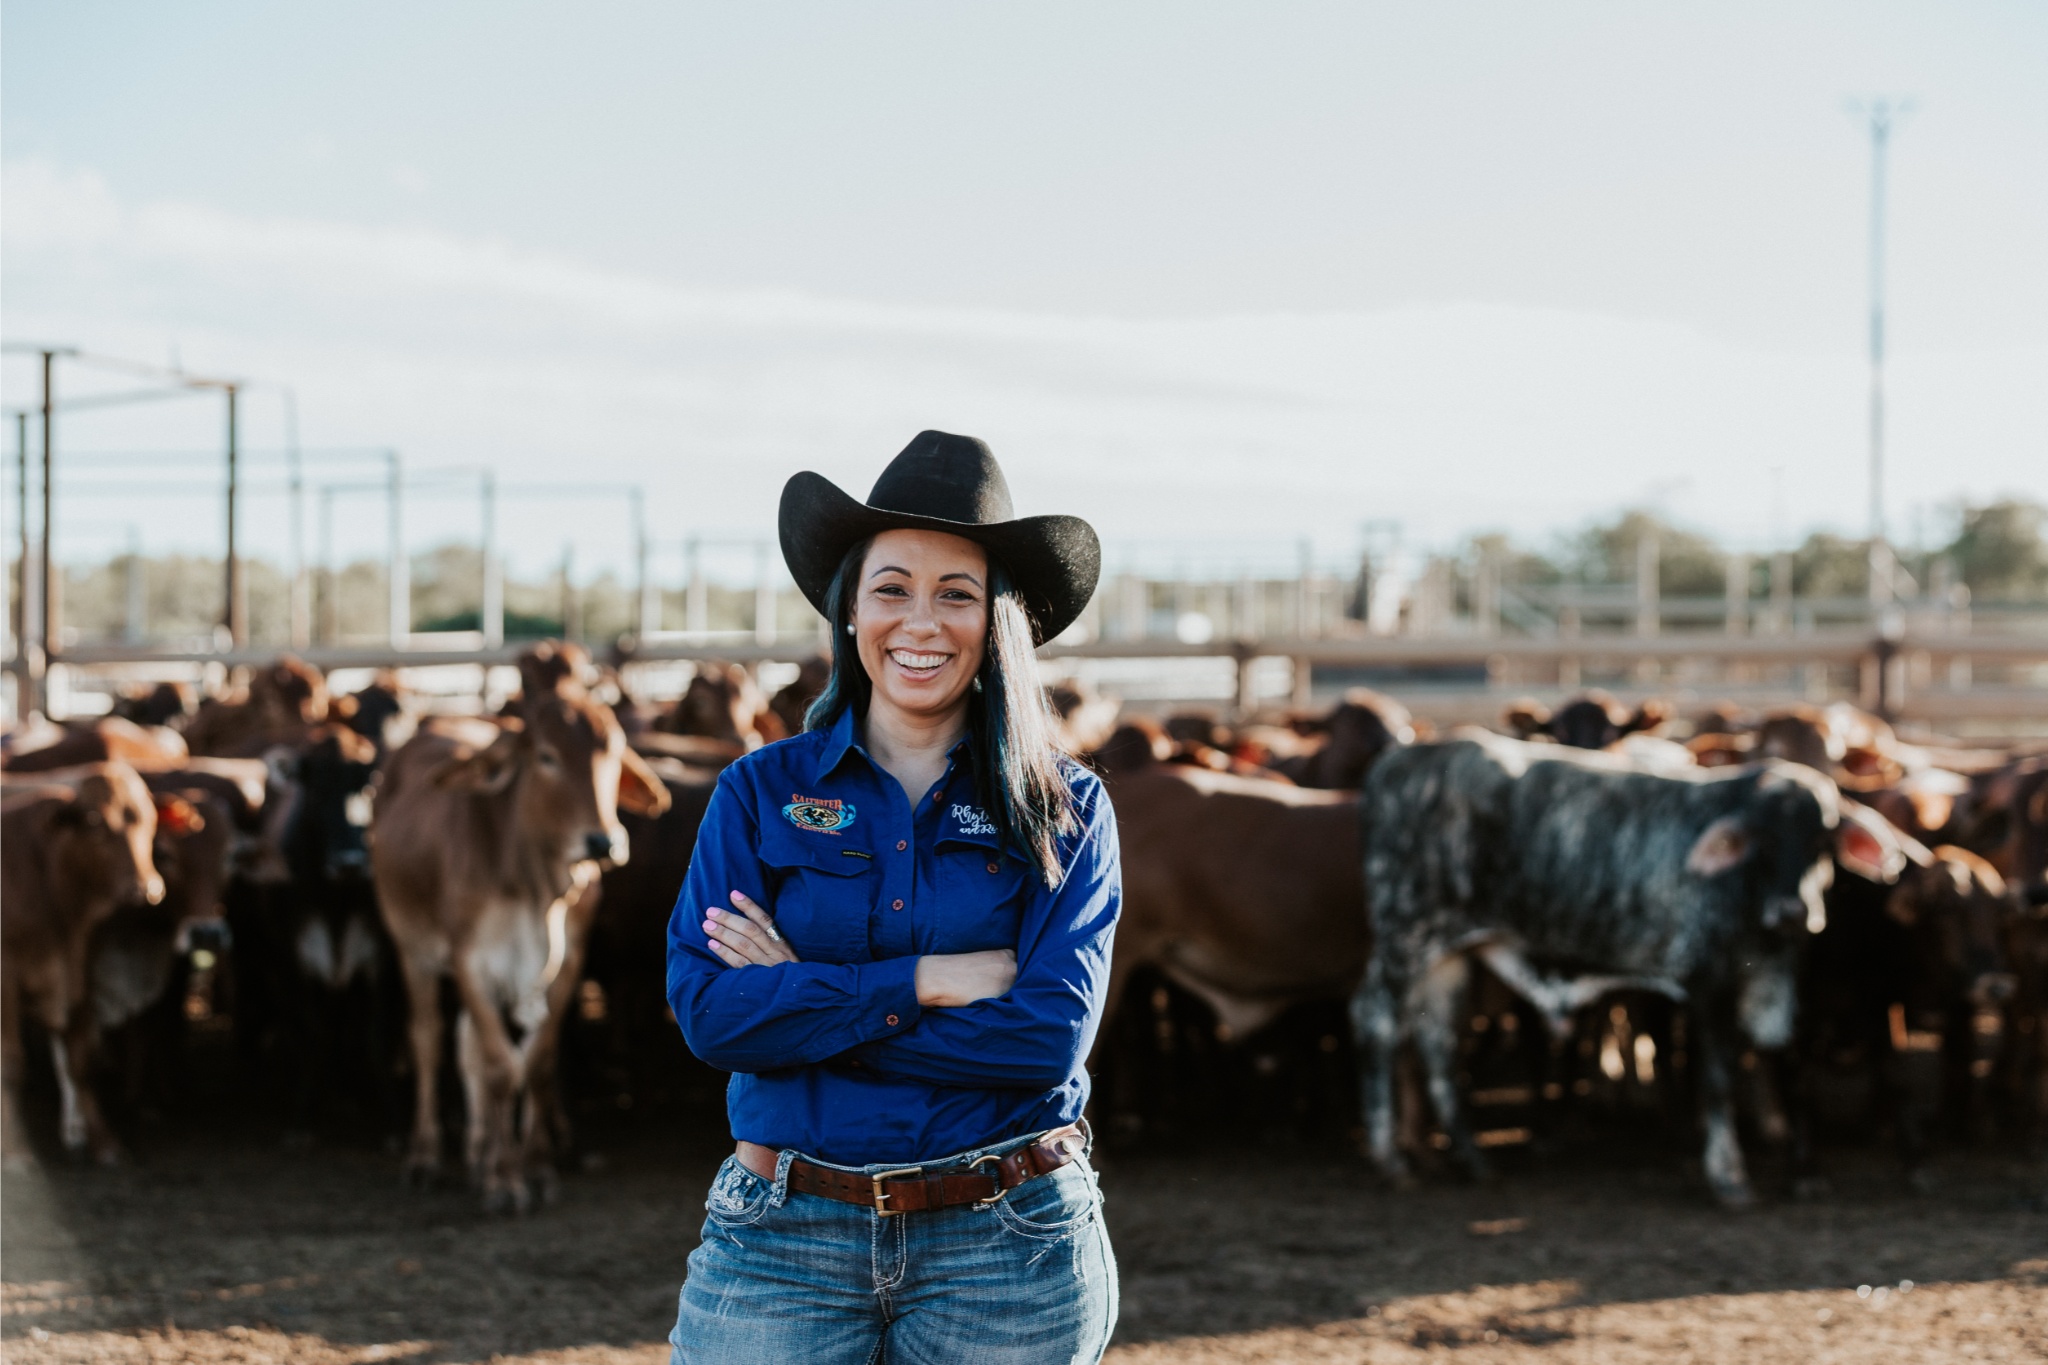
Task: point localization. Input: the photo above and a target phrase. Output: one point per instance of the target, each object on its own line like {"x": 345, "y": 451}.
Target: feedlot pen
{"x": 227, "y": 1240}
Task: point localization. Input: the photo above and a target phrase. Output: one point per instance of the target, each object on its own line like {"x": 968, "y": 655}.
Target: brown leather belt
{"x": 914, "y": 1189}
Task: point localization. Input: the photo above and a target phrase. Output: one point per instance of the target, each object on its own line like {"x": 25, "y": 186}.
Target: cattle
{"x": 377, "y": 712}
{"x": 1245, "y": 893}
{"x": 1854, "y": 748}
{"x": 1903, "y": 981}
{"x": 1594, "y": 720}
{"x": 1570, "y": 875}
{"x": 723, "y": 702}
{"x": 1081, "y": 720}
{"x": 166, "y": 703}
{"x": 315, "y": 972}
{"x": 547, "y": 667}
{"x": 792, "y": 701}
{"x": 282, "y": 704}
{"x": 1363, "y": 726}
{"x": 629, "y": 934}
{"x": 108, "y": 739}
{"x": 485, "y": 844}
{"x": 2004, "y": 816}
{"x": 70, "y": 855}
{"x": 138, "y": 956}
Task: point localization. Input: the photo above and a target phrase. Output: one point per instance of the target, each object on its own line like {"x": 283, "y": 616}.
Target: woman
{"x": 895, "y": 934}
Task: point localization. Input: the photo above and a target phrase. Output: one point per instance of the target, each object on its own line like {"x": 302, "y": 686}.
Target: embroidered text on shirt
{"x": 972, "y": 820}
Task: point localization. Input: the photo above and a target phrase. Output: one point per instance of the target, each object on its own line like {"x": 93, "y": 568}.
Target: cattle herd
{"x": 1769, "y": 926}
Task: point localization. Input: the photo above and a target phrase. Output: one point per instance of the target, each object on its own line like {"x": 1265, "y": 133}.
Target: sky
{"x": 1221, "y": 278}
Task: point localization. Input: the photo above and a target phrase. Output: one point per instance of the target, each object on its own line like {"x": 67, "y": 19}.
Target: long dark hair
{"x": 1018, "y": 771}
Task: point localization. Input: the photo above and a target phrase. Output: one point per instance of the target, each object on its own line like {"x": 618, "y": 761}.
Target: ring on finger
{"x": 773, "y": 932}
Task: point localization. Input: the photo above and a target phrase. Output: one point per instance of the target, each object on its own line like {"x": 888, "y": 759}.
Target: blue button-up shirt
{"x": 833, "y": 1055}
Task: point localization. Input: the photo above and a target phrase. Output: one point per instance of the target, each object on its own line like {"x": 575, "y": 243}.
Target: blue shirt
{"x": 833, "y": 1055}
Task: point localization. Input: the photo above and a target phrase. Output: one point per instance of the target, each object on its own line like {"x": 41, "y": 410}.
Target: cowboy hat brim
{"x": 1054, "y": 560}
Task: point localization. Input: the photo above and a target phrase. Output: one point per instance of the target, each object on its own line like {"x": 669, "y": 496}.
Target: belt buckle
{"x": 982, "y": 1205}
{"x": 882, "y": 1209}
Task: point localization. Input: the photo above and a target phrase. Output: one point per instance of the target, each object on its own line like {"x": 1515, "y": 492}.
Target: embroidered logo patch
{"x": 817, "y": 814}
{"x": 972, "y": 820}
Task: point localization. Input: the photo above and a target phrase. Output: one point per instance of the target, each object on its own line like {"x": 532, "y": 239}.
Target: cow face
{"x": 330, "y": 820}
{"x": 1955, "y": 911}
{"x": 1364, "y": 726}
{"x": 721, "y": 702}
{"x": 575, "y": 773}
{"x": 1779, "y": 844}
{"x": 554, "y": 666}
{"x": 194, "y": 830}
{"x": 290, "y": 691}
{"x": 104, "y": 837}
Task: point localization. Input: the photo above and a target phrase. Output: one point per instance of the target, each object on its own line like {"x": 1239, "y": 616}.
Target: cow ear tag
{"x": 818, "y": 815}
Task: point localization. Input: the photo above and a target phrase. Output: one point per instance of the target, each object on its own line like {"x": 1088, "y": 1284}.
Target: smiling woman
{"x": 895, "y": 933}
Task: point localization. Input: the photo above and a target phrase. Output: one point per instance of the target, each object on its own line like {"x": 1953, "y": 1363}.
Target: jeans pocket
{"x": 738, "y": 1196}
{"x": 1054, "y": 1205}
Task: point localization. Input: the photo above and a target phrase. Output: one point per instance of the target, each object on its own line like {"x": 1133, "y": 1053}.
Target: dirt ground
{"x": 223, "y": 1244}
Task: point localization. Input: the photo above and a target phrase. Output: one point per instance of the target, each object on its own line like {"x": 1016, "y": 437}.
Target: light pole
{"x": 1882, "y": 114}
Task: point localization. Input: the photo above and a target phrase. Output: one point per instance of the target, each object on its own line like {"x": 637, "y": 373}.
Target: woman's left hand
{"x": 748, "y": 938}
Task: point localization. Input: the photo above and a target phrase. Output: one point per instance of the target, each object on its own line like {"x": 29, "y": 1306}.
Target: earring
{"x": 849, "y": 627}
{"x": 977, "y": 684}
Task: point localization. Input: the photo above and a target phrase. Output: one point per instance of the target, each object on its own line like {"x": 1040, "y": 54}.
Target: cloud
{"x": 1228, "y": 436}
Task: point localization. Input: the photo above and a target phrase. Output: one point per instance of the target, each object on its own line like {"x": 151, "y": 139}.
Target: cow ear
{"x": 486, "y": 771}
{"x": 1873, "y": 847}
{"x": 640, "y": 791}
{"x": 1721, "y": 846}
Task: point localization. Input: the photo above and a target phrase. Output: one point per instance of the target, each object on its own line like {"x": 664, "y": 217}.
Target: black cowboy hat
{"x": 946, "y": 483}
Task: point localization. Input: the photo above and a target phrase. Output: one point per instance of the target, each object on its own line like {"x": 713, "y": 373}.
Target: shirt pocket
{"x": 822, "y": 891}
{"x": 981, "y": 899}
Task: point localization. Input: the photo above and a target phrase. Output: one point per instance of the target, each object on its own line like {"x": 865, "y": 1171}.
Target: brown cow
{"x": 109, "y": 739}
{"x": 70, "y": 854}
{"x": 792, "y": 701}
{"x": 723, "y": 702}
{"x": 485, "y": 845}
{"x": 1247, "y": 893}
{"x": 281, "y": 704}
{"x": 135, "y": 953}
{"x": 1363, "y": 726}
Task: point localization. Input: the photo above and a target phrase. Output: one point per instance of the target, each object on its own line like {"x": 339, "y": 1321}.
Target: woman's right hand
{"x": 953, "y": 979}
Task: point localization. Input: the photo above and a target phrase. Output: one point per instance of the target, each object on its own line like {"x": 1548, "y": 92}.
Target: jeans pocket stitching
{"x": 1051, "y": 1232}
{"x": 744, "y": 1212}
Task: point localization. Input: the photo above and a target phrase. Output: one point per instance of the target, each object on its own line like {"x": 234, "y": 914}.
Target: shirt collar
{"x": 838, "y": 740}
{"x": 845, "y": 735}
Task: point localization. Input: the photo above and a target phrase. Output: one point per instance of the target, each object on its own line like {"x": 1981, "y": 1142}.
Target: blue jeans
{"x": 781, "y": 1277}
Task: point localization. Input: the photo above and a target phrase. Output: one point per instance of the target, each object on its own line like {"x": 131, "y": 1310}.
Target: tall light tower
{"x": 1883, "y": 114}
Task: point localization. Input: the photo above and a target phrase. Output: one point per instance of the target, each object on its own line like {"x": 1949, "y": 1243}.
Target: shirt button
{"x": 902, "y": 844}
{"x": 890, "y": 1021}
{"x": 992, "y": 867}
{"x": 896, "y": 905}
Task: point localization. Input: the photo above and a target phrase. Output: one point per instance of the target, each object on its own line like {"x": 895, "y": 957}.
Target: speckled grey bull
{"x": 1571, "y": 875}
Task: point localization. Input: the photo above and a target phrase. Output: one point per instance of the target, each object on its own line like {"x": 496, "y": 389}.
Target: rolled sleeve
{"x": 754, "y": 1019}
{"x": 1037, "y": 1035}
